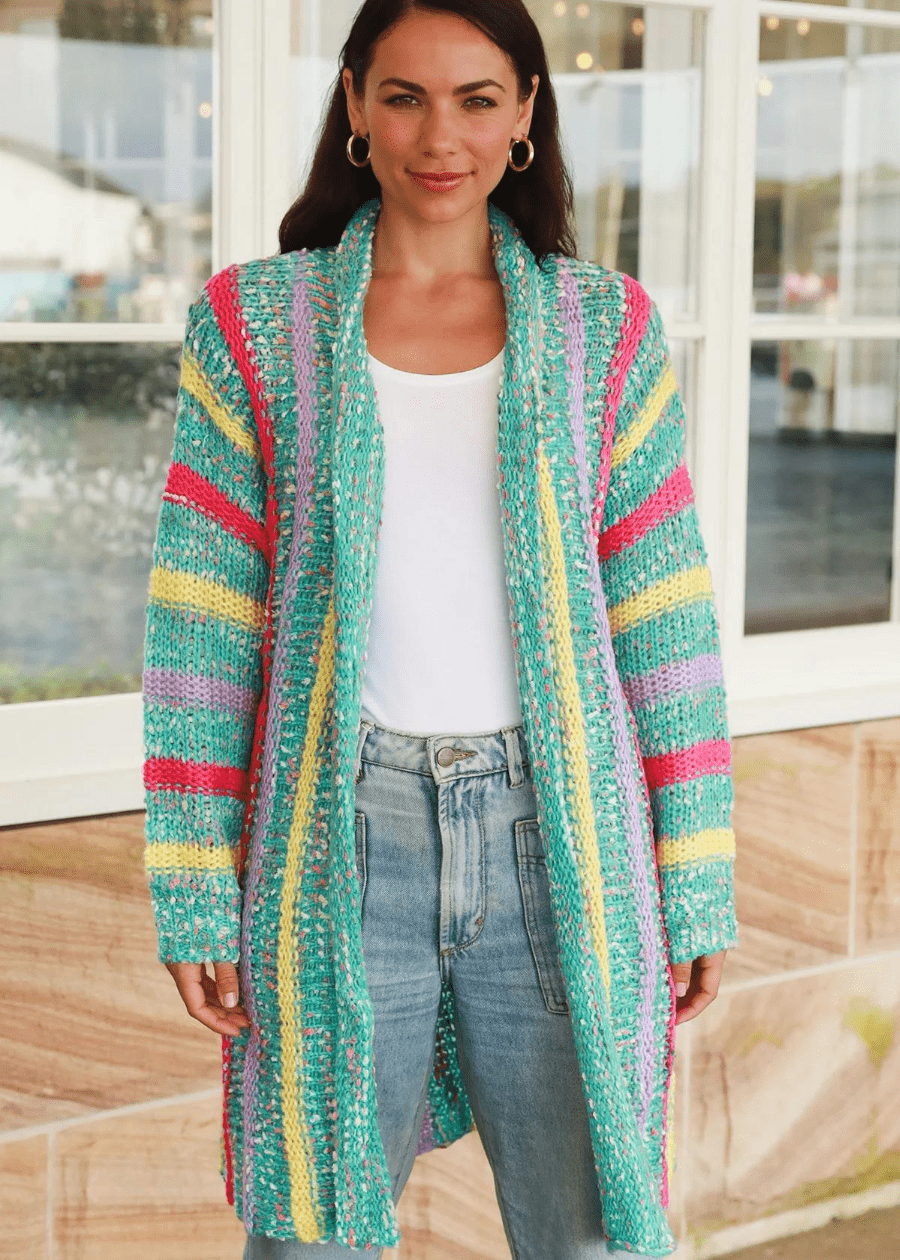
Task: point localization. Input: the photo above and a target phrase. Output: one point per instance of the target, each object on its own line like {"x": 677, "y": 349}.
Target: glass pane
{"x": 107, "y": 121}
{"x": 85, "y": 440}
{"x": 827, "y": 238}
{"x": 629, "y": 85}
{"x": 820, "y": 522}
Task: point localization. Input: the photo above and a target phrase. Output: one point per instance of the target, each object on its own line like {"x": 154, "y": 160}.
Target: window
{"x": 824, "y": 408}
{"x": 738, "y": 157}
{"x": 107, "y": 160}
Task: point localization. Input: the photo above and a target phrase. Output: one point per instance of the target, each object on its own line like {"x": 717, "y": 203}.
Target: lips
{"x": 438, "y": 177}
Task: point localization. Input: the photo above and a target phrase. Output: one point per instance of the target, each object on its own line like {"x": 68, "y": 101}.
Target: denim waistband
{"x": 473, "y": 754}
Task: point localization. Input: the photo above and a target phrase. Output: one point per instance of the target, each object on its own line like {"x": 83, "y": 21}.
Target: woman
{"x": 438, "y": 769}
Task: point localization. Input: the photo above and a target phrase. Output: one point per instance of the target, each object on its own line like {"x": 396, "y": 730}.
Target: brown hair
{"x": 538, "y": 200}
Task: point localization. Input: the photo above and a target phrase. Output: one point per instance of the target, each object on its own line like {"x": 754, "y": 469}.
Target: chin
{"x": 443, "y": 207}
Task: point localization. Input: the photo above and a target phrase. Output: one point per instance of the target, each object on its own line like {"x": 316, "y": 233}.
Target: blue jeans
{"x": 454, "y": 886}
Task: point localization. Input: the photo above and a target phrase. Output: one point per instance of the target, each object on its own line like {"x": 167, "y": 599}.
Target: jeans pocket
{"x": 361, "y": 873}
{"x": 534, "y": 881}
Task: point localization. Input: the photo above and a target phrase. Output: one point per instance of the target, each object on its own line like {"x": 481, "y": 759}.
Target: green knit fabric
{"x": 260, "y": 601}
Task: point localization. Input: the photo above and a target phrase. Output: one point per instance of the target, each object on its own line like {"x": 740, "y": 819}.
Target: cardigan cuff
{"x": 198, "y": 916}
{"x": 698, "y": 907}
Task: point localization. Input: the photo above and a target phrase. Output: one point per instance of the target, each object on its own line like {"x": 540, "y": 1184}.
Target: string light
{"x": 583, "y": 10}
{"x": 773, "y": 23}
{"x": 803, "y": 26}
{"x": 560, "y": 9}
{"x": 584, "y": 61}
{"x": 764, "y": 87}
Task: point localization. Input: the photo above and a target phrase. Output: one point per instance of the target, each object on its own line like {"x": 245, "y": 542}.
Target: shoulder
{"x": 264, "y": 282}
{"x": 611, "y": 303}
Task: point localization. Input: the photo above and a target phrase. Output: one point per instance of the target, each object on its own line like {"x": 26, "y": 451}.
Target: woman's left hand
{"x": 702, "y": 978}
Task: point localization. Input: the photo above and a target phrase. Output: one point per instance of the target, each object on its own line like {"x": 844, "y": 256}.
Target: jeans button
{"x": 446, "y": 757}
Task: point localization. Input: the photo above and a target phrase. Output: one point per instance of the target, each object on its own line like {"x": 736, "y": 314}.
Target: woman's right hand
{"x": 205, "y": 998}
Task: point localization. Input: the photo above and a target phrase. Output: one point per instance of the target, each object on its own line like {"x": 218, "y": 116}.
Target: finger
{"x": 699, "y": 995}
{"x": 202, "y": 1005}
{"x": 227, "y": 983}
{"x": 214, "y": 996}
{"x": 214, "y": 1016}
{"x": 681, "y": 974}
{"x": 235, "y": 1016}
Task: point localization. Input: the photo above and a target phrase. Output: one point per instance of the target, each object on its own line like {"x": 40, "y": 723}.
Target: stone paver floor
{"x": 872, "y": 1236}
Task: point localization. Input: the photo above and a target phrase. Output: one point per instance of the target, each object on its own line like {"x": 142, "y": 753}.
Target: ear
{"x": 354, "y": 110}
{"x": 526, "y": 108}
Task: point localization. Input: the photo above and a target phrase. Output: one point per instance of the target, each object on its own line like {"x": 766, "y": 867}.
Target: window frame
{"x": 79, "y": 757}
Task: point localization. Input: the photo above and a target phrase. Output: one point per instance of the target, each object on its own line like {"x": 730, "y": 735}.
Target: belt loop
{"x": 513, "y": 756}
{"x": 364, "y": 728}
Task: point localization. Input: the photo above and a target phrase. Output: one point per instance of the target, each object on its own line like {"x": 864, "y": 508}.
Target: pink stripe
{"x": 187, "y": 487}
{"x": 623, "y": 726}
{"x": 711, "y": 756}
{"x": 225, "y": 300}
{"x": 634, "y": 325}
{"x": 675, "y": 493}
{"x": 171, "y": 775}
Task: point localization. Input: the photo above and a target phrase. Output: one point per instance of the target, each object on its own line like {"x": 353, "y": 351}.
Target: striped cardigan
{"x": 260, "y": 599}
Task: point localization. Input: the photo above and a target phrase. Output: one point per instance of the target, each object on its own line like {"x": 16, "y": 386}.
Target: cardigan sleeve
{"x": 666, "y": 642}
{"x": 202, "y": 657}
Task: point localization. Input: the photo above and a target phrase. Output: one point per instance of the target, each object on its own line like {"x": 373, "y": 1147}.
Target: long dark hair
{"x": 538, "y": 200}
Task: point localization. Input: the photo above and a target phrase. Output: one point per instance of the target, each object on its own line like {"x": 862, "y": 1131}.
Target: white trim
{"x": 137, "y": 333}
{"x": 708, "y": 451}
{"x": 70, "y": 758}
{"x": 277, "y": 190}
{"x": 831, "y": 13}
{"x": 737, "y": 281}
{"x": 786, "y": 328}
{"x": 237, "y": 201}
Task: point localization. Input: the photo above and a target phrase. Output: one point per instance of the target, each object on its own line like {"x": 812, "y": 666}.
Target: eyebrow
{"x": 460, "y": 91}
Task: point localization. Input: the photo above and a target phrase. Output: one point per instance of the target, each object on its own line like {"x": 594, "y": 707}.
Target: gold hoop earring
{"x": 526, "y": 165}
{"x": 353, "y": 137}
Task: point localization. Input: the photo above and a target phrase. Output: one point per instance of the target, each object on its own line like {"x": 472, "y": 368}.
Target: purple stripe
{"x": 303, "y": 359}
{"x": 427, "y": 1140}
{"x": 668, "y": 680}
{"x": 212, "y": 693}
{"x": 626, "y": 772}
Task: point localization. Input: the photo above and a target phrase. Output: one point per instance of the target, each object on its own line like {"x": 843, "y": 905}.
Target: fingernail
{"x": 230, "y": 999}
{"x": 681, "y": 988}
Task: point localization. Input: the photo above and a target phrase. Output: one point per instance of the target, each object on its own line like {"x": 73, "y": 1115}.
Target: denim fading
{"x": 454, "y": 887}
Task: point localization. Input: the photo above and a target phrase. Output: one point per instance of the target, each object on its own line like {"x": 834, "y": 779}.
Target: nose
{"x": 439, "y": 132}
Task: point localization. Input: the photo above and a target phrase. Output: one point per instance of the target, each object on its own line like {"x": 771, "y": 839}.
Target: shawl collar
{"x": 546, "y": 464}
{"x": 358, "y": 450}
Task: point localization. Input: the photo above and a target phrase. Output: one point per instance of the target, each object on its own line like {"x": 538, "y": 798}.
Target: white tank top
{"x": 440, "y": 655}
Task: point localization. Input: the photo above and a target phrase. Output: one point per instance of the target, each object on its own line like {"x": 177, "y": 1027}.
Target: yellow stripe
{"x": 712, "y": 843}
{"x": 168, "y": 586}
{"x": 632, "y": 438}
{"x": 196, "y": 384}
{"x": 304, "y": 1196}
{"x": 680, "y": 588}
{"x": 161, "y": 856}
{"x": 574, "y": 745}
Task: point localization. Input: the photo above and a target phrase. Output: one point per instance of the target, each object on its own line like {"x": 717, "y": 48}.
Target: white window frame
{"x": 70, "y": 758}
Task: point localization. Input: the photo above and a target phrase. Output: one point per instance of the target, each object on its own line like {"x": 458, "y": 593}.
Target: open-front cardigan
{"x": 260, "y": 599}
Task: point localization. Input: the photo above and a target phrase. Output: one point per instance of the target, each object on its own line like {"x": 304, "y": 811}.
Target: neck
{"x": 409, "y": 248}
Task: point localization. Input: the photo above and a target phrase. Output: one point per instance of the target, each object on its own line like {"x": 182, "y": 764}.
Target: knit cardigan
{"x": 259, "y": 608}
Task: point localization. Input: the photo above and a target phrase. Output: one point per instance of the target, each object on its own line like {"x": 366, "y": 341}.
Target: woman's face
{"x": 440, "y": 99}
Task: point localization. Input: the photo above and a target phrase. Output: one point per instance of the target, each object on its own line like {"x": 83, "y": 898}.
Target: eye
{"x": 404, "y": 96}
{"x": 484, "y": 101}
